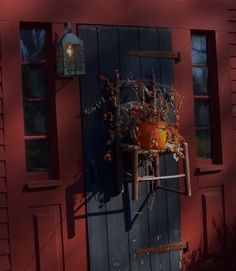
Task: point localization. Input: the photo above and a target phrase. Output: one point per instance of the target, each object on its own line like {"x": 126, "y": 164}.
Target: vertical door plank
{"x": 170, "y": 164}
{"x": 93, "y": 137}
{"x": 158, "y": 220}
{"x": 118, "y": 239}
{"x": 129, "y": 41}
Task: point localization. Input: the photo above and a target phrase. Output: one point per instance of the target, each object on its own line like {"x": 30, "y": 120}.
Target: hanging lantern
{"x": 70, "y": 54}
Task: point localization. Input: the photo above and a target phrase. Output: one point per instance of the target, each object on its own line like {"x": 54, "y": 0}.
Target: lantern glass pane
{"x": 33, "y": 44}
{"x": 70, "y": 59}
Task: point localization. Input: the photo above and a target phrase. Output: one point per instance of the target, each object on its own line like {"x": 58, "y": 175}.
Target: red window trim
{"x": 49, "y": 178}
{"x": 214, "y": 163}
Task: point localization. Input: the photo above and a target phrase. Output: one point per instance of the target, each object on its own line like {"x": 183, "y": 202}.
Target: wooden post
{"x": 187, "y": 171}
{"x": 157, "y": 172}
{"x": 119, "y": 164}
{"x": 135, "y": 175}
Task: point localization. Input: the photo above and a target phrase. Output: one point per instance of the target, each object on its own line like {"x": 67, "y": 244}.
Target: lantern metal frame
{"x": 70, "y": 54}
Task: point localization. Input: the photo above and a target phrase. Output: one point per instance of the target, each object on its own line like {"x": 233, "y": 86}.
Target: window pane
{"x": 200, "y": 81}
{"x": 202, "y": 113}
{"x": 34, "y": 81}
{"x": 203, "y": 144}
{"x": 35, "y": 115}
{"x": 37, "y": 155}
{"x": 32, "y": 44}
{"x": 199, "y": 49}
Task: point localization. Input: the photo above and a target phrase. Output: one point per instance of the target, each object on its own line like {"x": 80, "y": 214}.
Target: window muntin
{"x": 38, "y": 100}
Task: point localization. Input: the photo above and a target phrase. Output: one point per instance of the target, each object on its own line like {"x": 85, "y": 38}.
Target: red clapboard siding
{"x": 3, "y": 185}
{"x": 233, "y": 98}
{"x": 232, "y": 38}
{"x": 232, "y": 50}
{"x": 2, "y": 169}
{"x": 4, "y": 231}
{"x": 233, "y": 74}
{"x": 233, "y": 86}
{"x": 234, "y": 123}
{"x": 4, "y": 263}
{"x": 232, "y": 15}
{"x": 232, "y": 62}
{"x": 234, "y": 110}
{"x": 4, "y": 247}
{"x": 3, "y": 215}
{"x": 3, "y": 200}
{"x": 234, "y": 135}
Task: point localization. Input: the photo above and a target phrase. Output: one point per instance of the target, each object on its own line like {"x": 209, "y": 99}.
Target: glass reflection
{"x": 199, "y": 49}
{"x": 202, "y": 113}
{"x": 37, "y": 155}
{"x": 203, "y": 140}
{"x": 200, "y": 81}
{"x": 34, "y": 80}
{"x": 35, "y": 115}
{"x": 32, "y": 44}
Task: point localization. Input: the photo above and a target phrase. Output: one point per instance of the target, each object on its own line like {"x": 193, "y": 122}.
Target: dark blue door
{"x": 117, "y": 226}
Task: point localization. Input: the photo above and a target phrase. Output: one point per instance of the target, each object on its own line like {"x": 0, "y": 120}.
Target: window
{"x": 206, "y": 100}
{"x": 38, "y": 100}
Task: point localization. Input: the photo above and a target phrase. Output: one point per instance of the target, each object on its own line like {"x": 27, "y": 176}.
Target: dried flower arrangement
{"x": 148, "y": 116}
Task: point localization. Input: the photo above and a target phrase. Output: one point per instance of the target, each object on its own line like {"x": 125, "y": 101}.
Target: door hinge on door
{"x": 164, "y": 248}
{"x": 157, "y": 54}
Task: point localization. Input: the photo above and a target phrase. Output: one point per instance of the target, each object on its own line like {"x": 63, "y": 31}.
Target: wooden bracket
{"x": 164, "y": 248}
{"x": 157, "y": 54}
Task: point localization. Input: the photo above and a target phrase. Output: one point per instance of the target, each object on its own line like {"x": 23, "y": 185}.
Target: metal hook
{"x": 68, "y": 27}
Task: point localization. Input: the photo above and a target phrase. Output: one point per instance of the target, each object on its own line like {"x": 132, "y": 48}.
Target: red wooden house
{"x": 59, "y": 206}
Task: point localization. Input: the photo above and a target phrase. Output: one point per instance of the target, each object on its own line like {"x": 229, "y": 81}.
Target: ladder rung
{"x": 153, "y": 178}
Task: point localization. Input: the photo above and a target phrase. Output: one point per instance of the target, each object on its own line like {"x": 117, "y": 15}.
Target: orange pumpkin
{"x": 152, "y": 135}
